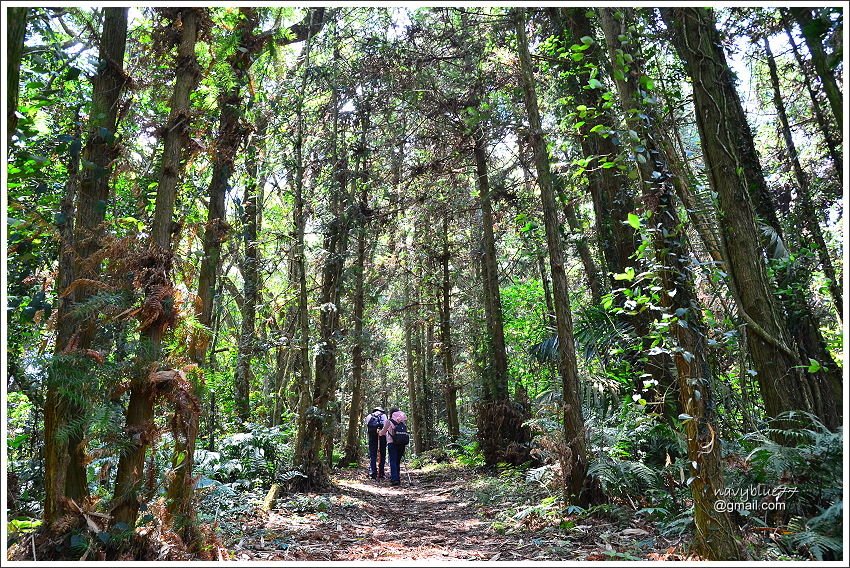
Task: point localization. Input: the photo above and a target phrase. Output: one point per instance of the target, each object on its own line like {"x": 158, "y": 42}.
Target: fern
{"x": 598, "y": 334}
{"x": 104, "y": 302}
{"x": 620, "y": 477}
{"x": 807, "y": 536}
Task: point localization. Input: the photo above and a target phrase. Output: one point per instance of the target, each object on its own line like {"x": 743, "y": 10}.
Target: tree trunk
{"x": 447, "y": 348}
{"x": 723, "y": 139}
{"x": 574, "y": 430}
{"x": 158, "y": 287}
{"x": 319, "y": 421}
{"x": 358, "y": 362}
{"x": 412, "y": 375}
{"x": 809, "y": 215}
{"x": 298, "y": 266}
{"x": 16, "y": 31}
{"x": 612, "y": 200}
{"x": 250, "y": 270}
{"x": 582, "y": 248}
{"x": 65, "y": 473}
{"x": 610, "y": 191}
{"x": 228, "y": 140}
{"x": 716, "y": 537}
{"x": 815, "y": 45}
{"x": 496, "y": 374}
{"x": 832, "y": 147}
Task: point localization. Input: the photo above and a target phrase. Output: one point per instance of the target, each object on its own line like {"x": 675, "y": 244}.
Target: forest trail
{"x": 431, "y": 516}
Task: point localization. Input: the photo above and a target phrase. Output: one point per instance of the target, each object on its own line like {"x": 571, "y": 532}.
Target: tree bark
{"x": 582, "y": 247}
{"x": 496, "y": 374}
{"x": 724, "y": 144}
{"x": 143, "y": 389}
{"x": 447, "y": 348}
{"x": 358, "y": 362}
{"x": 809, "y": 215}
{"x": 298, "y": 265}
{"x": 815, "y": 45}
{"x": 65, "y": 473}
{"x": 716, "y": 537}
{"x": 833, "y": 148}
{"x": 319, "y": 419}
{"x": 612, "y": 200}
{"x": 574, "y": 429}
{"x": 229, "y": 138}
{"x": 250, "y": 269}
{"x": 16, "y": 30}
{"x": 610, "y": 191}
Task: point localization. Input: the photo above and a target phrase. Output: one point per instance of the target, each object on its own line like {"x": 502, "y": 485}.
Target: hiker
{"x": 397, "y": 438}
{"x": 374, "y": 422}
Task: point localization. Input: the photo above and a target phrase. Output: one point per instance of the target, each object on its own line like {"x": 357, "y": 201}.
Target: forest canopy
{"x": 594, "y": 254}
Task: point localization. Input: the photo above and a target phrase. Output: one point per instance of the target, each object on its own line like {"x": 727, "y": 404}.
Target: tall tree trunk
{"x": 803, "y": 15}
{"x": 610, "y": 191}
{"x": 229, "y": 138}
{"x": 298, "y": 265}
{"x": 549, "y": 316}
{"x": 412, "y": 375}
{"x": 447, "y": 348}
{"x": 319, "y": 422}
{"x": 582, "y": 246}
{"x": 832, "y": 147}
{"x": 716, "y": 537}
{"x": 16, "y": 30}
{"x": 809, "y": 215}
{"x": 65, "y": 473}
{"x": 724, "y": 142}
{"x": 496, "y": 374}
{"x": 358, "y": 362}
{"x": 574, "y": 429}
{"x": 612, "y": 200}
{"x": 428, "y": 373}
{"x": 158, "y": 287}
{"x": 250, "y": 269}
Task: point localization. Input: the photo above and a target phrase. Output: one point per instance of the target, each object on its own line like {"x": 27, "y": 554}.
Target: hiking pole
{"x": 407, "y": 471}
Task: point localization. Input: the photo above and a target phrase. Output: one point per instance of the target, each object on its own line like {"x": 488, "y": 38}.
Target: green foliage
{"x": 810, "y": 458}
{"x": 251, "y": 459}
{"x": 820, "y": 536}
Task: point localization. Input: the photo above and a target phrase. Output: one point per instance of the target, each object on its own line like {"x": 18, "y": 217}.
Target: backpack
{"x": 401, "y": 437}
{"x": 375, "y": 423}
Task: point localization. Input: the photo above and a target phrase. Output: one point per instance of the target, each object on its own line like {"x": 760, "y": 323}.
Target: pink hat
{"x": 399, "y": 416}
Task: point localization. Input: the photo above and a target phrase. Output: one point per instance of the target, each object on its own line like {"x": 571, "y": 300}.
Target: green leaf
{"x": 587, "y": 40}
{"x": 634, "y": 221}
{"x": 646, "y": 83}
{"x": 814, "y": 366}
{"x": 629, "y": 274}
{"x": 595, "y": 84}
{"x": 107, "y": 135}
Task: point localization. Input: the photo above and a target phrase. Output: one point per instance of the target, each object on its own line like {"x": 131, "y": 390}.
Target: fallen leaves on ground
{"x": 431, "y": 516}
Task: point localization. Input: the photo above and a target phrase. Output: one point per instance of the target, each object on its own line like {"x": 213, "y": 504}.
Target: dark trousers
{"x": 396, "y": 454}
{"x": 377, "y": 443}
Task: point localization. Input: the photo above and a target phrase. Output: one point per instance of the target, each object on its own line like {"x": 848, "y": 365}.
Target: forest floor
{"x": 435, "y": 515}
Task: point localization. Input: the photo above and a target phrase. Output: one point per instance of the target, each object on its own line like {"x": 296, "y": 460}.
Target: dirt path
{"x": 433, "y": 518}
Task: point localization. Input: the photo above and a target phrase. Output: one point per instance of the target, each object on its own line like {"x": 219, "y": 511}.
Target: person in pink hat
{"x": 395, "y": 429}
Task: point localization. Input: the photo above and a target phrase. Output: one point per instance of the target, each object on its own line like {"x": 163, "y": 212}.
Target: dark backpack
{"x": 401, "y": 437}
{"x": 375, "y": 423}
